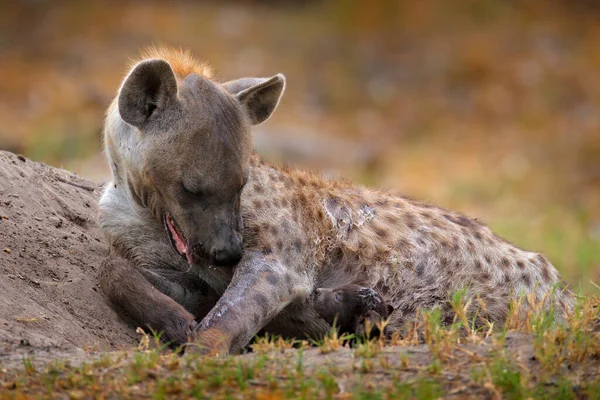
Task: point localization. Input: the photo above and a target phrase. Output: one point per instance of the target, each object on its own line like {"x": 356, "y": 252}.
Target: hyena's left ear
{"x": 260, "y": 96}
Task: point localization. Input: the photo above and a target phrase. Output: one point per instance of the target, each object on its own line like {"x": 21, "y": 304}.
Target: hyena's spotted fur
{"x": 300, "y": 231}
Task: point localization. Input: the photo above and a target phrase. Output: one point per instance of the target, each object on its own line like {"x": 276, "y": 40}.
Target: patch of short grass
{"x": 436, "y": 360}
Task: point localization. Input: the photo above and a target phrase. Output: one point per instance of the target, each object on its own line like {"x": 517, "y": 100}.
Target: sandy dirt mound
{"x": 50, "y": 251}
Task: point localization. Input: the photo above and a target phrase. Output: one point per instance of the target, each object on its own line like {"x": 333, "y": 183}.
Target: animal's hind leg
{"x": 126, "y": 287}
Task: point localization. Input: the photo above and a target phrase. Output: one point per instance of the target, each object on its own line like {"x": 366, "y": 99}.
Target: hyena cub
{"x": 212, "y": 244}
{"x": 351, "y": 307}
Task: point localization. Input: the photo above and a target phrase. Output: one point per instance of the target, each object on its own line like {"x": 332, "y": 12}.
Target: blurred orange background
{"x": 490, "y": 107}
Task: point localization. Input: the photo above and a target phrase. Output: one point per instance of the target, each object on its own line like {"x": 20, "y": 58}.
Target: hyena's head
{"x": 194, "y": 147}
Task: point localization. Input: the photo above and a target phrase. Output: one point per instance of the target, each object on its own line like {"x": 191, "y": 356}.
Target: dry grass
{"x": 538, "y": 359}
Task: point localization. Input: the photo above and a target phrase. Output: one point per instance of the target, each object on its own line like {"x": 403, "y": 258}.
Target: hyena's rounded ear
{"x": 148, "y": 89}
{"x": 259, "y": 96}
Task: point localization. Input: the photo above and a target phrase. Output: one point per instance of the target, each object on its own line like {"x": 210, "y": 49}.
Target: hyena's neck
{"x": 121, "y": 147}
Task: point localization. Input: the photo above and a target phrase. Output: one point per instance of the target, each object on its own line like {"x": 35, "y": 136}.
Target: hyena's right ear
{"x": 148, "y": 89}
{"x": 259, "y": 96}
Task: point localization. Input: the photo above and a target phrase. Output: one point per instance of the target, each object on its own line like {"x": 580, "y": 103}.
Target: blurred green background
{"x": 490, "y": 107}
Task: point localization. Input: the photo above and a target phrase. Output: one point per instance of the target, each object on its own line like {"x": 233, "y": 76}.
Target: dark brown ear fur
{"x": 150, "y": 88}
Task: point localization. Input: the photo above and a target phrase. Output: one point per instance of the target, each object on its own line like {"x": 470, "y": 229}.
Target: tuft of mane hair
{"x": 182, "y": 62}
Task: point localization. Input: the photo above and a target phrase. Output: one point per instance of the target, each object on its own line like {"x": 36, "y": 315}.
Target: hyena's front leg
{"x": 125, "y": 286}
{"x": 261, "y": 288}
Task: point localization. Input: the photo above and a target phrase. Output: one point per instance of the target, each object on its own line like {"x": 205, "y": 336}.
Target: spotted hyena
{"x": 211, "y": 244}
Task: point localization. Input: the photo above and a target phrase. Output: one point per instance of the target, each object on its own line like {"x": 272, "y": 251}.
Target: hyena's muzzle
{"x": 218, "y": 240}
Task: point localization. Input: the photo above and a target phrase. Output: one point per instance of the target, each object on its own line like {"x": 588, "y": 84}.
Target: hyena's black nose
{"x": 227, "y": 257}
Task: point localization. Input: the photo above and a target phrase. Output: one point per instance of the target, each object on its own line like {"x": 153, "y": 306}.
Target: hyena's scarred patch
{"x": 229, "y": 244}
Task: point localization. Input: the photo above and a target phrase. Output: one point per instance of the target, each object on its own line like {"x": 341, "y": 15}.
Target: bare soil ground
{"x": 50, "y": 249}
{"x": 59, "y": 337}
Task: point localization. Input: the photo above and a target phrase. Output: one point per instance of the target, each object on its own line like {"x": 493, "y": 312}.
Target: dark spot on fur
{"x": 257, "y": 188}
{"x": 484, "y": 277}
{"x": 262, "y": 302}
{"x": 285, "y": 202}
{"x": 301, "y": 180}
{"x": 298, "y": 245}
{"x": 444, "y": 263}
{"x": 409, "y": 219}
{"x": 279, "y": 245}
{"x": 455, "y": 245}
{"x": 381, "y": 232}
{"x": 541, "y": 259}
{"x": 273, "y": 230}
{"x": 392, "y": 219}
{"x": 402, "y": 243}
{"x": 257, "y": 204}
{"x": 526, "y": 278}
{"x": 544, "y": 267}
{"x": 273, "y": 279}
{"x": 461, "y": 220}
{"x": 295, "y": 205}
{"x": 477, "y": 264}
{"x": 276, "y": 203}
{"x": 487, "y": 258}
{"x": 288, "y": 280}
{"x": 267, "y": 250}
{"x": 507, "y": 279}
{"x": 421, "y": 241}
{"x": 444, "y": 244}
{"x": 420, "y": 268}
{"x": 426, "y": 215}
{"x": 302, "y": 198}
{"x": 521, "y": 265}
{"x": 505, "y": 262}
{"x": 545, "y": 273}
{"x": 477, "y": 235}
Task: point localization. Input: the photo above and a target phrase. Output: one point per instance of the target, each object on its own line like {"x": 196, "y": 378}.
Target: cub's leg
{"x": 125, "y": 286}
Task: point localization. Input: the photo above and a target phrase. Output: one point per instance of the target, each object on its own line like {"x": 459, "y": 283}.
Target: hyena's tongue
{"x": 180, "y": 245}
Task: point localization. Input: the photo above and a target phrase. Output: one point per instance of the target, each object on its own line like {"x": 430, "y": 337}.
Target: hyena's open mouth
{"x": 177, "y": 240}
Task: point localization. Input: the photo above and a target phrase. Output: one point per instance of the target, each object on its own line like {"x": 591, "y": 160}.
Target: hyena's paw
{"x": 210, "y": 342}
{"x": 179, "y": 329}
